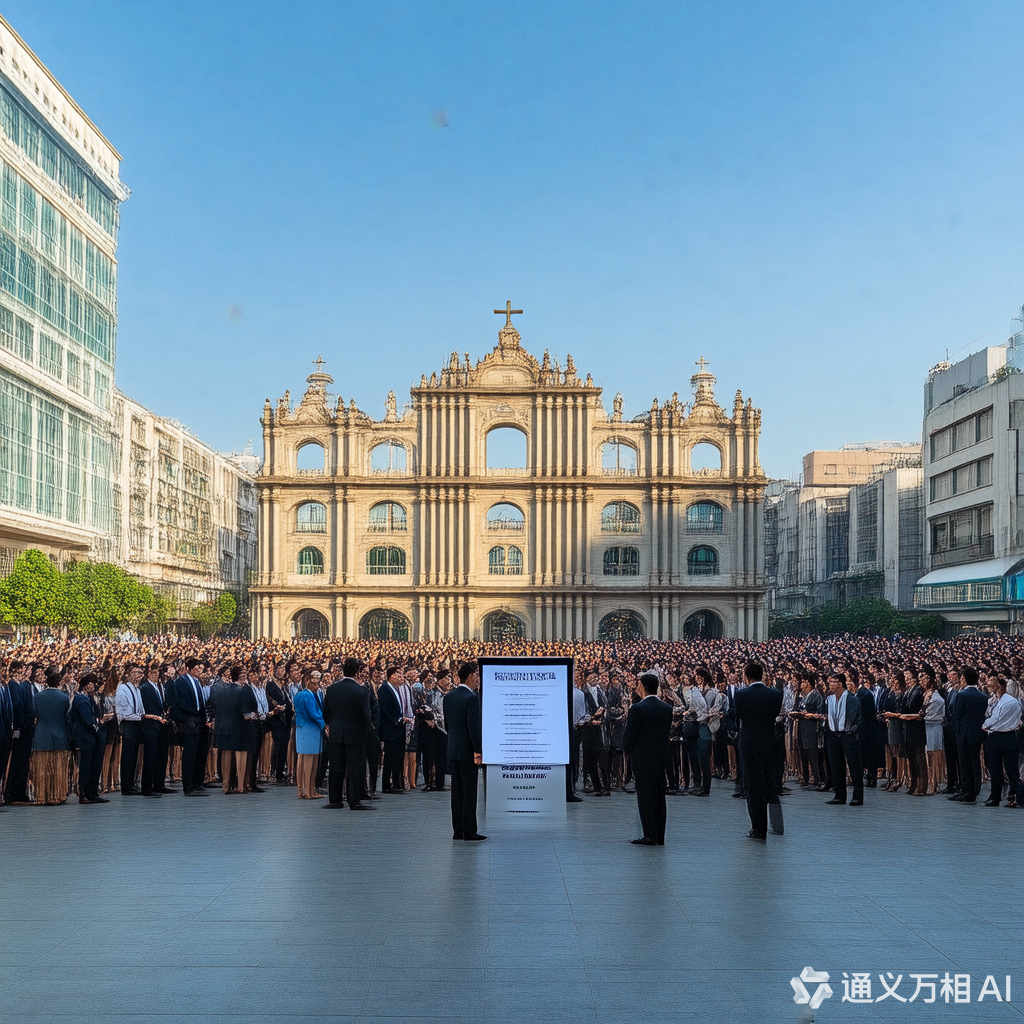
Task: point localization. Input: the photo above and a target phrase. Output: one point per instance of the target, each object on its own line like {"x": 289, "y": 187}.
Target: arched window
{"x": 620, "y": 517}
{"x": 506, "y": 517}
{"x": 389, "y": 457}
{"x": 705, "y": 458}
{"x": 621, "y": 562}
{"x": 311, "y": 458}
{"x": 505, "y": 561}
{"x": 702, "y": 561}
{"x": 500, "y": 627}
{"x": 704, "y": 517}
{"x": 621, "y": 625}
{"x": 311, "y": 562}
{"x": 385, "y": 561}
{"x": 618, "y": 458}
{"x": 310, "y": 625}
{"x": 384, "y": 624}
{"x": 505, "y": 448}
{"x": 387, "y": 517}
{"x": 703, "y": 625}
{"x": 311, "y": 518}
{"x": 496, "y": 561}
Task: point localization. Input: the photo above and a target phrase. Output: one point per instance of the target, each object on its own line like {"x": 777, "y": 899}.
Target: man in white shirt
{"x": 128, "y": 701}
{"x": 1001, "y": 753}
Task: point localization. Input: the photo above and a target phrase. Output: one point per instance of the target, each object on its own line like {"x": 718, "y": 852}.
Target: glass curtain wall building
{"x": 59, "y": 199}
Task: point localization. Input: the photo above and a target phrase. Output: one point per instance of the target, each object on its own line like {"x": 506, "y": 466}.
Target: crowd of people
{"x": 98, "y": 716}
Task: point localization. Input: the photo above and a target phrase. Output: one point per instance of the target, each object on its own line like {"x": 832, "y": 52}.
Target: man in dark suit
{"x": 866, "y": 737}
{"x": 88, "y": 735}
{"x": 392, "y": 731}
{"x": 6, "y": 731}
{"x": 279, "y": 722}
{"x": 842, "y": 740}
{"x": 757, "y": 708}
{"x": 23, "y": 701}
{"x": 188, "y": 709}
{"x": 971, "y": 710}
{"x": 155, "y": 735}
{"x": 347, "y": 716}
{"x": 949, "y": 746}
{"x": 914, "y": 731}
{"x": 648, "y": 725}
{"x": 465, "y": 750}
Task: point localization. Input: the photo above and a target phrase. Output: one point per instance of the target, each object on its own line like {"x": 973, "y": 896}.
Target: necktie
{"x": 135, "y": 699}
{"x": 198, "y": 696}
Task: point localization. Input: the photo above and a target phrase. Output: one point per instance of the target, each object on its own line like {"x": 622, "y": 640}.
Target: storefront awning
{"x": 975, "y": 584}
{"x": 990, "y": 569}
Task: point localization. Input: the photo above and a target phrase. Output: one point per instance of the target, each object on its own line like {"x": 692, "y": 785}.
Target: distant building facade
{"x": 188, "y": 526}
{"x": 973, "y": 417}
{"x": 853, "y": 528}
{"x": 413, "y": 527}
{"x": 59, "y": 200}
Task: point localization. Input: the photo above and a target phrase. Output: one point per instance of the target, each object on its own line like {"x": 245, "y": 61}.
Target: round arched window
{"x": 311, "y": 517}
{"x": 387, "y": 517}
{"x": 311, "y": 562}
{"x": 620, "y": 517}
{"x": 704, "y": 517}
{"x": 702, "y": 561}
{"x": 385, "y": 561}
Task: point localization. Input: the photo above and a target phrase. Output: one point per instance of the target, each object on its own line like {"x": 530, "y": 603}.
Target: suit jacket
{"x": 807, "y": 728}
{"x": 757, "y": 707}
{"x": 151, "y": 705}
{"x": 84, "y": 727}
{"x": 52, "y": 725}
{"x": 391, "y": 724}
{"x": 648, "y": 725}
{"x": 277, "y": 694}
{"x": 181, "y": 701}
{"x": 971, "y": 709}
{"x": 592, "y": 734}
{"x": 6, "y": 712}
{"x": 867, "y": 710}
{"x": 853, "y": 716}
{"x": 23, "y": 700}
{"x": 233, "y": 703}
{"x": 347, "y": 712}
{"x": 913, "y": 705}
{"x": 462, "y": 719}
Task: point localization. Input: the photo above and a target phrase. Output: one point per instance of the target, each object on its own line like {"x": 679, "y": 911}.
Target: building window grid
{"x": 310, "y": 562}
{"x": 867, "y": 524}
{"x": 705, "y": 517}
{"x": 702, "y": 561}
{"x": 311, "y": 517}
{"x": 620, "y": 517}
{"x": 961, "y": 480}
{"x": 621, "y": 561}
{"x": 505, "y": 518}
{"x": 960, "y": 435}
{"x": 837, "y": 535}
{"x": 385, "y": 561}
{"x": 503, "y": 561}
{"x": 387, "y": 517}
{"x": 51, "y": 356}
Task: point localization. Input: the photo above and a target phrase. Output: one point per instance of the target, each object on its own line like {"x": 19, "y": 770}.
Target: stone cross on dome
{"x": 508, "y": 336}
{"x": 509, "y": 312}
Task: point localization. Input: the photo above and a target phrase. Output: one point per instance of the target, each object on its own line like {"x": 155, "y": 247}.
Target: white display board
{"x": 525, "y": 705}
{"x": 518, "y": 794}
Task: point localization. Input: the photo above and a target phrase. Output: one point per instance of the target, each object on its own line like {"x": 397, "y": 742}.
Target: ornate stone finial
{"x": 617, "y": 408}
{"x": 453, "y": 362}
{"x": 737, "y": 404}
{"x": 508, "y": 336}
{"x": 352, "y": 407}
{"x": 546, "y": 364}
{"x": 570, "y": 366}
{"x": 469, "y": 366}
{"x": 423, "y": 380}
{"x": 339, "y": 406}
{"x": 433, "y": 379}
{"x": 589, "y": 383}
{"x": 654, "y": 406}
{"x": 703, "y": 384}
{"x": 390, "y": 408}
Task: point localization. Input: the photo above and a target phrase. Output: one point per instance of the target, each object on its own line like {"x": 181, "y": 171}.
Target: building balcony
{"x": 969, "y": 553}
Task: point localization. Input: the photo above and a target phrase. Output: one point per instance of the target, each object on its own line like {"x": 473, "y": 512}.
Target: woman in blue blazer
{"x": 309, "y": 729}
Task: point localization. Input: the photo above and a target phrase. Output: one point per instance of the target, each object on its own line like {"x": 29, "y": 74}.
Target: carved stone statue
{"x": 390, "y": 408}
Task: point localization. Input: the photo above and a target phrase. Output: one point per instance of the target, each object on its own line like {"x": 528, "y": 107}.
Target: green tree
{"x": 99, "y": 597}
{"x": 33, "y": 594}
{"x": 212, "y": 616}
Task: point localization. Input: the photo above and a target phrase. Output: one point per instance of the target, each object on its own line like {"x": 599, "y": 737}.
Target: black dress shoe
{"x": 131, "y": 792}
{"x": 991, "y": 803}
{"x": 947, "y": 791}
{"x": 644, "y": 842}
{"x": 99, "y": 800}
{"x": 256, "y": 789}
{"x": 574, "y": 799}
{"x": 778, "y": 831}
{"x": 164, "y": 789}
{"x": 739, "y": 794}
{"x": 758, "y": 837}
{"x": 835, "y": 800}
{"x": 371, "y": 796}
{"x": 856, "y": 803}
{"x": 332, "y": 807}
{"x": 362, "y": 807}
{"x": 475, "y": 838}
{"x": 152, "y": 796}
{"x": 196, "y": 792}
{"x": 459, "y": 838}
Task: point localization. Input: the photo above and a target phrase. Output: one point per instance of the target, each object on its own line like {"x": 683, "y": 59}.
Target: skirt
{"x": 933, "y": 736}
{"x": 48, "y": 772}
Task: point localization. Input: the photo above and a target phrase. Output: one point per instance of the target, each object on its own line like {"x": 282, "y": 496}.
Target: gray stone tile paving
{"x": 269, "y": 909}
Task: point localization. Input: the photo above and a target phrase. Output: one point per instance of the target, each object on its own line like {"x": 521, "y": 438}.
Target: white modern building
{"x": 852, "y": 528}
{"x": 973, "y": 414}
{"x": 59, "y": 199}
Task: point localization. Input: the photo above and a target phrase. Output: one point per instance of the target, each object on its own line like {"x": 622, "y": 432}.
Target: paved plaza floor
{"x": 269, "y": 909}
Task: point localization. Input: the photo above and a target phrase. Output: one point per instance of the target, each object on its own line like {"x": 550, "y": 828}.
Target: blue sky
{"x": 821, "y": 198}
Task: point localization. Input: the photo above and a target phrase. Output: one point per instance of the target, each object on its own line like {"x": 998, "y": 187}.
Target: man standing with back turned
{"x": 465, "y": 751}
{"x": 647, "y": 730}
{"x": 757, "y": 707}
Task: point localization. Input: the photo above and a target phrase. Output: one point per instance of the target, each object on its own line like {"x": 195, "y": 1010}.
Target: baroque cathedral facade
{"x": 504, "y": 501}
